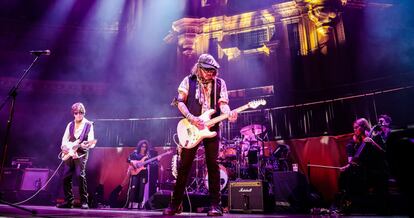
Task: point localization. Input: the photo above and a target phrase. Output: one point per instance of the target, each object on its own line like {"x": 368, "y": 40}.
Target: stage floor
{"x": 51, "y": 211}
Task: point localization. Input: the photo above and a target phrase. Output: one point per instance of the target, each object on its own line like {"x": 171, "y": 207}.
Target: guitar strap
{"x": 72, "y": 137}
{"x": 215, "y": 93}
{"x": 85, "y": 132}
{"x": 214, "y": 100}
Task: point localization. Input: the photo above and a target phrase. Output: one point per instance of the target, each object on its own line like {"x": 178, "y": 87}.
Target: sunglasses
{"x": 209, "y": 70}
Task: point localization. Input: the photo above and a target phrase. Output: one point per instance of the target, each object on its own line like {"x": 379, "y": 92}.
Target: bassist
{"x": 138, "y": 175}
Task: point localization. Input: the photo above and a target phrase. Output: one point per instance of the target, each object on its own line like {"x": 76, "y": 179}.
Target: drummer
{"x": 250, "y": 143}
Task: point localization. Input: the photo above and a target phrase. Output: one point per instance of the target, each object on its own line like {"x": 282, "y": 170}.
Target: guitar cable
{"x": 40, "y": 189}
{"x": 189, "y": 201}
{"x": 175, "y": 140}
{"x": 128, "y": 193}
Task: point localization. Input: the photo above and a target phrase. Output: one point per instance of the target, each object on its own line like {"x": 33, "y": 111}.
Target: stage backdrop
{"x": 108, "y": 166}
{"x": 323, "y": 150}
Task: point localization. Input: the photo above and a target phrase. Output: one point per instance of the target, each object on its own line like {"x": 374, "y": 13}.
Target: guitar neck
{"x": 362, "y": 146}
{"x": 225, "y": 116}
{"x": 149, "y": 160}
{"x": 154, "y": 158}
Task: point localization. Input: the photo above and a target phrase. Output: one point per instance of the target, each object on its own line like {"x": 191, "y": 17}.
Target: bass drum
{"x": 223, "y": 177}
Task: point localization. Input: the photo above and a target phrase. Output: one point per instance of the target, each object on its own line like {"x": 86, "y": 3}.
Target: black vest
{"x": 83, "y": 136}
{"x": 194, "y": 105}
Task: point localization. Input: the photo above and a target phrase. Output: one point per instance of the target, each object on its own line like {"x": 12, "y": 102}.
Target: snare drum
{"x": 223, "y": 178}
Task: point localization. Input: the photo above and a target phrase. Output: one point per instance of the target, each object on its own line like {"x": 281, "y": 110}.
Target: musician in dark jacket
{"x": 366, "y": 173}
{"x": 80, "y": 132}
{"x": 200, "y": 91}
{"x": 138, "y": 175}
{"x": 384, "y": 127}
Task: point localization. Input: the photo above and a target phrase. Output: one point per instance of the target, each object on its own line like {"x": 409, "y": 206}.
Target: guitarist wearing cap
{"x": 76, "y": 142}
{"x": 199, "y": 92}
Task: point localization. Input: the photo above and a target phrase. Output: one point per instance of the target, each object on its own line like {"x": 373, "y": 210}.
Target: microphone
{"x": 40, "y": 52}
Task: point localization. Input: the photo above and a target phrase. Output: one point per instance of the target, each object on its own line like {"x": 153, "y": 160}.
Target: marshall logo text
{"x": 245, "y": 190}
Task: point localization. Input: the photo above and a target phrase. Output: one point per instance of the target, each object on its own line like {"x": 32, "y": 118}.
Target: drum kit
{"x": 245, "y": 157}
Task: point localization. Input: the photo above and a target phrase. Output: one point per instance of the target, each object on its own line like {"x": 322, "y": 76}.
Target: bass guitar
{"x": 189, "y": 135}
{"x": 137, "y": 166}
{"x": 73, "y": 147}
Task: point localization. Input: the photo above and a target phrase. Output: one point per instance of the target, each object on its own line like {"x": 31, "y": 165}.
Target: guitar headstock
{"x": 256, "y": 103}
{"x": 170, "y": 151}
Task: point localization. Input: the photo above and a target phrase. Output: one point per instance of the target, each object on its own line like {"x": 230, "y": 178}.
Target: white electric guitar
{"x": 189, "y": 135}
{"x": 73, "y": 147}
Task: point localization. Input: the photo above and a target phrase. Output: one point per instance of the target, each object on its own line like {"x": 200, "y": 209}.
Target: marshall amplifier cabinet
{"x": 247, "y": 196}
{"x": 34, "y": 179}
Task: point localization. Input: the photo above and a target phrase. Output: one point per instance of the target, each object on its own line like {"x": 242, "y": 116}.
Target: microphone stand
{"x": 261, "y": 156}
{"x": 12, "y": 95}
{"x": 261, "y": 160}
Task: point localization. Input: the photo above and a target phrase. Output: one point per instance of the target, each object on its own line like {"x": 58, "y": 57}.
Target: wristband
{"x": 189, "y": 116}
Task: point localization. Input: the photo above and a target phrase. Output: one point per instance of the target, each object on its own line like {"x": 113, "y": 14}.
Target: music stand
{"x": 12, "y": 95}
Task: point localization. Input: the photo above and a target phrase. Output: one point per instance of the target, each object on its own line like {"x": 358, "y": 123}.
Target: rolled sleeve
{"x": 65, "y": 138}
{"x": 224, "y": 97}
{"x": 91, "y": 135}
{"x": 184, "y": 86}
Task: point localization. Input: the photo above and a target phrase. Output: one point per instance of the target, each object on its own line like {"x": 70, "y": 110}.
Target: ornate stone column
{"x": 185, "y": 32}
{"x": 325, "y": 14}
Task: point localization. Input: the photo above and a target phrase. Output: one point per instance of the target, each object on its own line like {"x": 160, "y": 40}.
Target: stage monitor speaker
{"x": 11, "y": 179}
{"x": 290, "y": 190}
{"x": 247, "y": 196}
{"x": 34, "y": 179}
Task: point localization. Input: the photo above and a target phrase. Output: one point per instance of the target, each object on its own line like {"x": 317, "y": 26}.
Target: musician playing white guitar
{"x": 77, "y": 140}
{"x": 199, "y": 92}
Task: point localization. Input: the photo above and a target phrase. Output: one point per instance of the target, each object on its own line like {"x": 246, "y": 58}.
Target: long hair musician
{"x": 365, "y": 176}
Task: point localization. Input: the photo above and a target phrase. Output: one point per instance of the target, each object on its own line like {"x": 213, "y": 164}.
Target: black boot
{"x": 66, "y": 204}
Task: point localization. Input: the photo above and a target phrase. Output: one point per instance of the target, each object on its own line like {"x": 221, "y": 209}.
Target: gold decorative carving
{"x": 185, "y": 32}
{"x": 324, "y": 14}
{"x": 319, "y": 25}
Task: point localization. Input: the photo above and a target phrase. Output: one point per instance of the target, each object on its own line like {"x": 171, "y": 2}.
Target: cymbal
{"x": 226, "y": 142}
{"x": 230, "y": 141}
{"x": 252, "y": 130}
